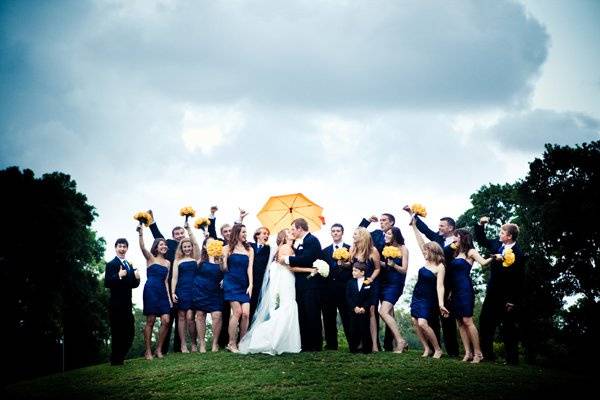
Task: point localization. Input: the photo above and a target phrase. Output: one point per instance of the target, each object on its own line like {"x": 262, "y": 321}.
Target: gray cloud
{"x": 529, "y": 131}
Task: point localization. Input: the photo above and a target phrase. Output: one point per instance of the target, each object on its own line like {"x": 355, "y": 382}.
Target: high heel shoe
{"x": 477, "y": 358}
{"x": 468, "y": 357}
{"x": 402, "y": 347}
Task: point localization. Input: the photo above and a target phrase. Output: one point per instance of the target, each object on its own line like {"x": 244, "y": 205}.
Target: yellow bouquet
{"x": 215, "y": 248}
{"x": 341, "y": 254}
{"x": 143, "y": 217}
{"x": 508, "y": 258}
{"x": 187, "y": 212}
{"x": 418, "y": 209}
{"x": 391, "y": 252}
{"x": 201, "y": 222}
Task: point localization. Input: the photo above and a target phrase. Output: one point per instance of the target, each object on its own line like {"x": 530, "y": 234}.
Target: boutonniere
{"x": 454, "y": 246}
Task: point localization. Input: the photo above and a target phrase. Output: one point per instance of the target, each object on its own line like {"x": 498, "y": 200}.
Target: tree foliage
{"x": 49, "y": 261}
{"x": 555, "y": 207}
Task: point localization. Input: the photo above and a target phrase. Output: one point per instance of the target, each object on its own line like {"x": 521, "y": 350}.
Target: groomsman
{"x": 504, "y": 292}
{"x": 307, "y": 250}
{"x": 261, "y": 262}
{"x": 386, "y": 222}
{"x": 444, "y": 237}
{"x": 120, "y": 277}
{"x": 177, "y": 234}
{"x": 333, "y": 295}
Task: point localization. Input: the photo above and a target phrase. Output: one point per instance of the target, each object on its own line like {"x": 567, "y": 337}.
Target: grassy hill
{"x": 336, "y": 375}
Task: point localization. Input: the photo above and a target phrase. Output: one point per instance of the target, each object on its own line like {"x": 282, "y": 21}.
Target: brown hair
{"x": 175, "y": 229}
{"x": 179, "y": 252}
{"x": 361, "y": 266}
{"x": 465, "y": 241}
{"x": 361, "y": 250}
{"x": 282, "y": 237}
{"x": 154, "y": 248}
{"x": 433, "y": 252}
{"x": 234, "y": 238}
{"x": 512, "y": 230}
{"x": 300, "y": 223}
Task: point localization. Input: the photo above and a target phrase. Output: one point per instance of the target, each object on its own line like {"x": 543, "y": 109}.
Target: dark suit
{"x": 333, "y": 298}
{"x": 172, "y": 247}
{"x": 505, "y": 285}
{"x": 261, "y": 262}
{"x": 308, "y": 294}
{"x": 122, "y": 323}
{"x": 360, "y": 331}
{"x": 224, "y": 336}
{"x": 448, "y": 324}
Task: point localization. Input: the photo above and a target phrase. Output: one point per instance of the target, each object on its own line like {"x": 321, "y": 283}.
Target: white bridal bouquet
{"x": 322, "y": 268}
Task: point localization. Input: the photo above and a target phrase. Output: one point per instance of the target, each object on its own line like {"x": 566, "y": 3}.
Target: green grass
{"x": 336, "y": 375}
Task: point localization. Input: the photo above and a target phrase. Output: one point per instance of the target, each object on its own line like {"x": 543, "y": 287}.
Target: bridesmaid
{"x": 363, "y": 250}
{"x": 462, "y": 295}
{"x": 208, "y": 296}
{"x": 428, "y": 294}
{"x": 238, "y": 258}
{"x": 156, "y": 292}
{"x": 184, "y": 269}
{"x": 393, "y": 275}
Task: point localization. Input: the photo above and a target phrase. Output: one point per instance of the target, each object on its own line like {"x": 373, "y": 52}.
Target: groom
{"x": 307, "y": 250}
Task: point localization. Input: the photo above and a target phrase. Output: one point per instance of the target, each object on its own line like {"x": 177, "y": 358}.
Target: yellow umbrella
{"x": 279, "y": 212}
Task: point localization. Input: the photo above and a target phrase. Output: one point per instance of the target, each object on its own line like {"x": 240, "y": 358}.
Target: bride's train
{"x": 275, "y": 328}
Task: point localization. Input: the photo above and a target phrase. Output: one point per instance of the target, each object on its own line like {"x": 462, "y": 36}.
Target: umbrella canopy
{"x": 279, "y": 212}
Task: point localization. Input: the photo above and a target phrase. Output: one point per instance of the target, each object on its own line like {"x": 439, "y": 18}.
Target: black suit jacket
{"x": 261, "y": 261}
{"x": 429, "y": 234}
{"x": 120, "y": 289}
{"x": 171, "y": 243}
{"x": 356, "y": 298}
{"x": 306, "y": 254}
{"x": 506, "y": 283}
{"x": 377, "y": 235}
{"x": 338, "y": 276}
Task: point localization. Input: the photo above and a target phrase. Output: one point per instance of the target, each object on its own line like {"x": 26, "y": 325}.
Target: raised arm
{"x": 145, "y": 252}
{"x": 197, "y": 250}
{"x": 440, "y": 289}
{"x": 480, "y": 236}
{"x": 474, "y": 255}
{"x": 154, "y": 228}
{"x": 365, "y": 223}
{"x": 429, "y": 234}
{"x": 418, "y": 236}
{"x": 212, "y": 228}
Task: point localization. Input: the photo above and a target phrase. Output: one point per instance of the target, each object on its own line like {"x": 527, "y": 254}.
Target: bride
{"x": 275, "y": 327}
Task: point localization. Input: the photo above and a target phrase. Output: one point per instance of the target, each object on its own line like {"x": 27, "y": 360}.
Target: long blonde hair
{"x": 361, "y": 249}
{"x": 433, "y": 252}
{"x": 179, "y": 252}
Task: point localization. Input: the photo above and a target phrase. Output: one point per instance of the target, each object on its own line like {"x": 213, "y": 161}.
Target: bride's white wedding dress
{"x": 275, "y": 328}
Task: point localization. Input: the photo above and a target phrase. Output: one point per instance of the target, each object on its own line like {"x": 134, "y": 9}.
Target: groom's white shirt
{"x": 297, "y": 244}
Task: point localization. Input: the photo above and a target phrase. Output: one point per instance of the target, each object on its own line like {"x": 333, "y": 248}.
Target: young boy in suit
{"x": 357, "y": 296}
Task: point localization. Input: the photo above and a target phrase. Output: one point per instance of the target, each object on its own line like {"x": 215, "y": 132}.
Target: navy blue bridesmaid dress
{"x": 185, "y": 284}
{"x": 392, "y": 282}
{"x": 207, "y": 292}
{"x": 156, "y": 298}
{"x": 375, "y": 285}
{"x": 462, "y": 298}
{"x": 424, "y": 302}
{"x": 235, "y": 281}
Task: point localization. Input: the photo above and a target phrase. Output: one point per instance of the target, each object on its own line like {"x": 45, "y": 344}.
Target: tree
{"x": 50, "y": 261}
{"x": 555, "y": 209}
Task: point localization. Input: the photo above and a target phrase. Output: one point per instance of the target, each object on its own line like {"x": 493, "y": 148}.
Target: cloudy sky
{"x": 362, "y": 106}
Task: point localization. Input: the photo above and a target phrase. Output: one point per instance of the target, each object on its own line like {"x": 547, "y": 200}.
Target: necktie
{"x": 259, "y": 247}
